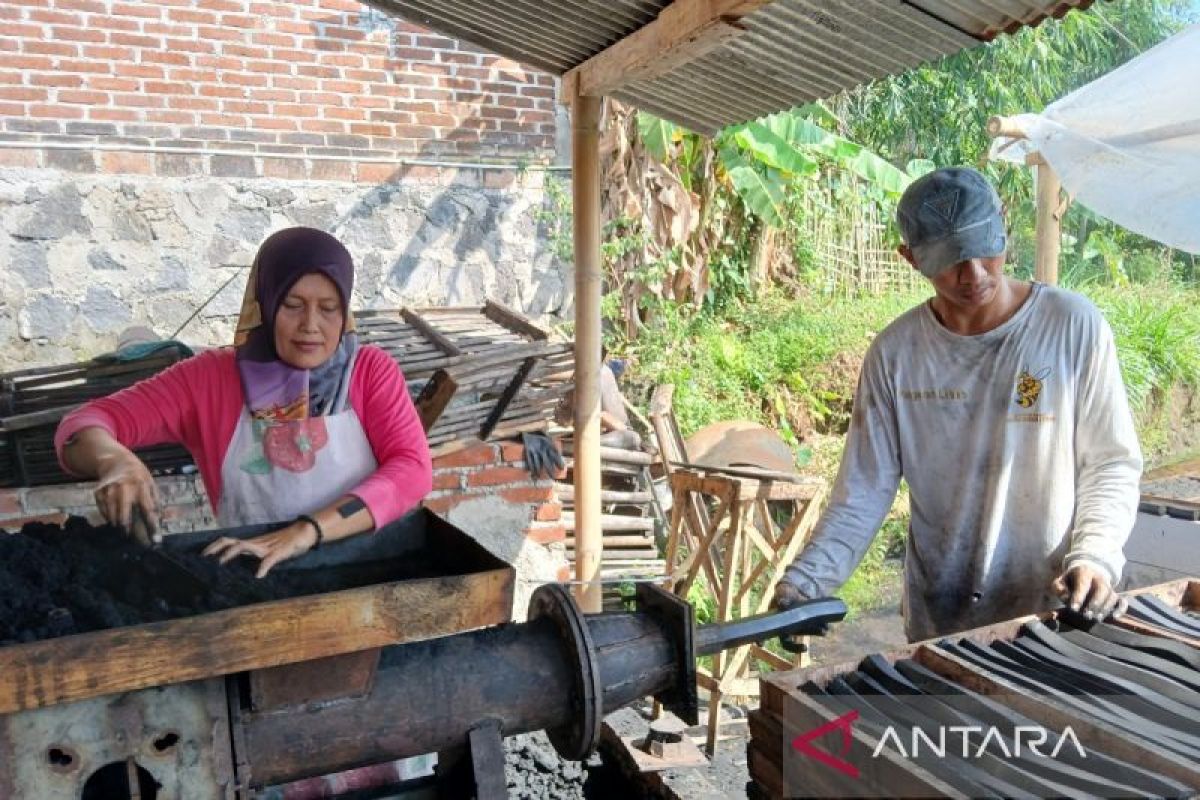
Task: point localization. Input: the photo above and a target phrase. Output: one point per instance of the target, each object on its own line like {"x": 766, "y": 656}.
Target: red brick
{"x": 168, "y": 57}
{"x": 18, "y": 158}
{"x": 338, "y": 112}
{"x": 110, "y": 84}
{"x": 498, "y": 178}
{"x": 52, "y": 79}
{"x": 43, "y": 63}
{"x": 284, "y": 124}
{"x": 545, "y": 534}
{"x": 171, "y": 117}
{"x": 370, "y": 129}
{"x": 83, "y": 97}
{"x": 55, "y": 17}
{"x": 294, "y": 82}
{"x": 331, "y": 170}
{"x": 90, "y": 6}
{"x": 475, "y": 456}
{"x": 496, "y": 476}
{"x": 287, "y": 168}
{"x": 193, "y": 15}
{"x": 49, "y": 48}
{"x": 18, "y": 30}
{"x": 44, "y": 519}
{"x": 10, "y": 500}
{"x": 224, "y": 120}
{"x": 147, "y": 11}
{"x": 137, "y": 40}
{"x": 76, "y": 34}
{"x": 23, "y": 93}
{"x": 441, "y": 505}
{"x": 512, "y": 452}
{"x": 549, "y": 512}
{"x": 192, "y": 103}
{"x": 529, "y": 494}
{"x": 446, "y": 480}
{"x": 107, "y": 52}
{"x": 112, "y": 114}
{"x": 56, "y": 112}
{"x": 114, "y": 23}
{"x": 127, "y": 163}
{"x": 131, "y": 70}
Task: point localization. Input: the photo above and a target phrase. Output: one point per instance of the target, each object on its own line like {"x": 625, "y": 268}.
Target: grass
{"x": 792, "y": 364}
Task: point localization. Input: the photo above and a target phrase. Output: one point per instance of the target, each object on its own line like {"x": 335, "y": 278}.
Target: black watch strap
{"x": 316, "y": 526}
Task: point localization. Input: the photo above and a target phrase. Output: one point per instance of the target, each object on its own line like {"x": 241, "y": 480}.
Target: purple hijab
{"x": 274, "y": 390}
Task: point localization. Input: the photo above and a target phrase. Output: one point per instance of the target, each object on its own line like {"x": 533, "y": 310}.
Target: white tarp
{"x": 1127, "y": 145}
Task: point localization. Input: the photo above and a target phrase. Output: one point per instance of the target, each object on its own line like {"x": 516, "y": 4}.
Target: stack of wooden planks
{"x": 475, "y": 371}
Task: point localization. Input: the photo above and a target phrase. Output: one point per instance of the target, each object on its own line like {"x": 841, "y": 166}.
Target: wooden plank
{"x": 566, "y": 491}
{"x": 613, "y": 522}
{"x": 435, "y": 396}
{"x": 250, "y": 637}
{"x": 429, "y": 332}
{"x": 506, "y": 397}
{"x": 774, "y": 660}
{"x": 683, "y": 31}
{"x": 617, "y": 541}
{"x": 510, "y": 319}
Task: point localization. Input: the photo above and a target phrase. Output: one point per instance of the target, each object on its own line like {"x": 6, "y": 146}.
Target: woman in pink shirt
{"x": 296, "y": 423}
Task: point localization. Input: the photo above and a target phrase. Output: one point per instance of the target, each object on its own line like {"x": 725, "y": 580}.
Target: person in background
{"x": 1001, "y": 403}
{"x": 296, "y": 424}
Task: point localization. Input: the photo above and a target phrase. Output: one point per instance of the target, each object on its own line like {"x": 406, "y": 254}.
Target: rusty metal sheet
{"x": 319, "y": 680}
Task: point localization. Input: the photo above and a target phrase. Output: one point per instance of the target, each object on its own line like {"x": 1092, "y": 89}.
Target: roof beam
{"x": 682, "y": 32}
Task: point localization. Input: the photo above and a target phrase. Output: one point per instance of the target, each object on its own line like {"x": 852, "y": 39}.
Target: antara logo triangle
{"x": 803, "y": 744}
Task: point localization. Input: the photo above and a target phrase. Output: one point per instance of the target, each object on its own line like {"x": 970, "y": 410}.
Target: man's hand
{"x": 125, "y": 484}
{"x": 1086, "y": 591}
{"x": 294, "y": 540}
{"x": 786, "y": 596}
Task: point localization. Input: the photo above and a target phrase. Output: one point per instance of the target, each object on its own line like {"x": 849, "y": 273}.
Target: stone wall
{"x": 86, "y": 253}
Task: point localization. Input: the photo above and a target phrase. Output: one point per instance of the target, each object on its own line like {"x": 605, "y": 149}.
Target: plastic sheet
{"x": 1127, "y": 145}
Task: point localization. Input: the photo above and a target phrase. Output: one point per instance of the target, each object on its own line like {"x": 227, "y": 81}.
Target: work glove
{"x": 542, "y": 458}
{"x": 788, "y": 596}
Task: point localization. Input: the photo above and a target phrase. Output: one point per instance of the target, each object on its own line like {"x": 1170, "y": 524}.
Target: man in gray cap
{"x": 1001, "y": 403}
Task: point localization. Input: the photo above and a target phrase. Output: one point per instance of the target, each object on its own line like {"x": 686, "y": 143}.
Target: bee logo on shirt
{"x": 1029, "y": 387}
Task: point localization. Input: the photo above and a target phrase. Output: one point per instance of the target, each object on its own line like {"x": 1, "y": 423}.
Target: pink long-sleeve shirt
{"x": 198, "y": 402}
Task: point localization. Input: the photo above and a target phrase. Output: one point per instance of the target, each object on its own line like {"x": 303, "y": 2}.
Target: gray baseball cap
{"x": 948, "y": 216}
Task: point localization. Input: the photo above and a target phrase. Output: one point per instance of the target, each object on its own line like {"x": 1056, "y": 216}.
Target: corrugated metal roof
{"x": 793, "y": 51}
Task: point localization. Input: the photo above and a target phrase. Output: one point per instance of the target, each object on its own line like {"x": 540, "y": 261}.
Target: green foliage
{"x": 554, "y": 219}
{"x": 658, "y": 135}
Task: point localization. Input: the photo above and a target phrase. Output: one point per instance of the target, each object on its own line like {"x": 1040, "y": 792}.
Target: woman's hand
{"x": 294, "y": 540}
{"x": 125, "y": 491}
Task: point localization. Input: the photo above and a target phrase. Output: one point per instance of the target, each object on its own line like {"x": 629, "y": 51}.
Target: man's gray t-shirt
{"x": 1020, "y": 454}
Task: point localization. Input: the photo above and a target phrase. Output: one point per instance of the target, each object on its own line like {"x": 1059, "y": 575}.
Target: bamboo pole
{"x": 1049, "y": 224}
{"x": 1049, "y": 188}
{"x": 585, "y": 150}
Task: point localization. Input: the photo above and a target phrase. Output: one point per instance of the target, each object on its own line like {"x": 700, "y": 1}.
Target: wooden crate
{"x": 474, "y": 589}
{"x": 785, "y": 712}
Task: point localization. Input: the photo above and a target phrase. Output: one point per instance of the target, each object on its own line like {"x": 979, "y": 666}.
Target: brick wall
{"x": 484, "y": 490}
{"x": 262, "y": 83}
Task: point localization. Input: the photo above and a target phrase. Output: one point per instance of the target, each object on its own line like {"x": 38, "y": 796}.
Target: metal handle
{"x": 807, "y": 618}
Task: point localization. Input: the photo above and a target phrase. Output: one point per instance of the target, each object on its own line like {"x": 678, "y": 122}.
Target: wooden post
{"x": 585, "y": 150}
{"x": 1049, "y": 224}
{"x": 1049, "y": 187}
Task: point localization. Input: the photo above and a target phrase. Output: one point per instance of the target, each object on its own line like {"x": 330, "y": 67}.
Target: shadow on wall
{"x": 472, "y": 212}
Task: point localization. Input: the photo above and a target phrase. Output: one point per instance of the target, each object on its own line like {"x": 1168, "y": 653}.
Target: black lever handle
{"x": 811, "y": 617}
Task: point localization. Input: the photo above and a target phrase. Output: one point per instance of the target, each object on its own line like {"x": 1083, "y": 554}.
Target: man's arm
{"x": 862, "y": 494}
{"x": 1108, "y": 468}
